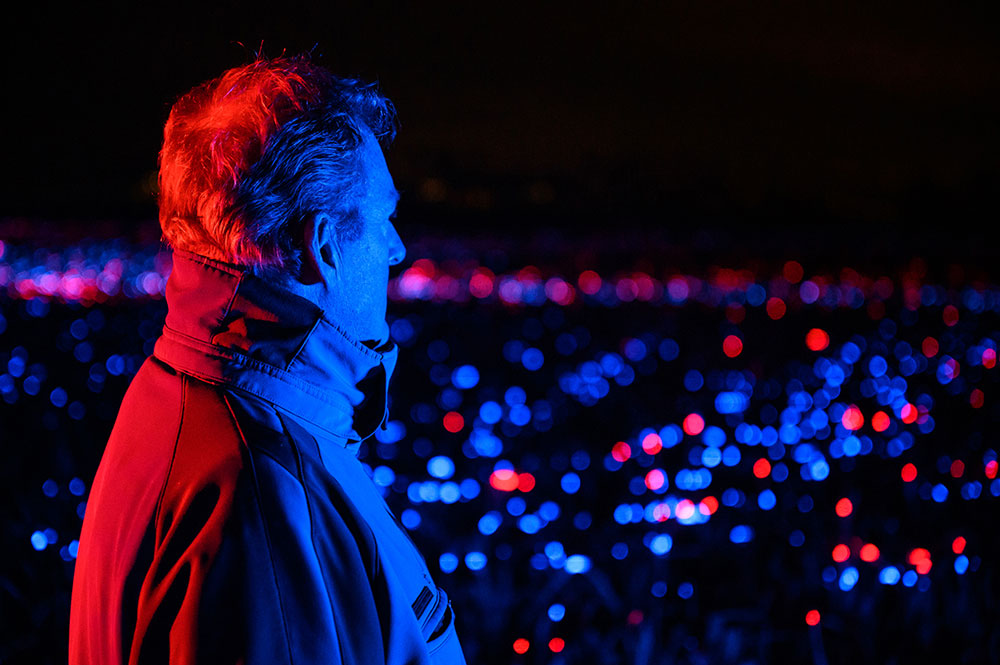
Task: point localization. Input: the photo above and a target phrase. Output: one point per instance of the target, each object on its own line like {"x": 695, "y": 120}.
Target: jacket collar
{"x": 226, "y": 326}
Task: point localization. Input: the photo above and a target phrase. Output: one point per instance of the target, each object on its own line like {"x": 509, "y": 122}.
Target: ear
{"x": 321, "y": 259}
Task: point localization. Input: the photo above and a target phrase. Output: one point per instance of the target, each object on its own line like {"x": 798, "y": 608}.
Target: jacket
{"x": 230, "y": 520}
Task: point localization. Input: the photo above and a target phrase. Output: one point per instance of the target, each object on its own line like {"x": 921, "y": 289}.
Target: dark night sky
{"x": 701, "y": 109}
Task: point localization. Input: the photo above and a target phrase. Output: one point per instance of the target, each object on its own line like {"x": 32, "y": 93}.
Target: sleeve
{"x": 250, "y": 568}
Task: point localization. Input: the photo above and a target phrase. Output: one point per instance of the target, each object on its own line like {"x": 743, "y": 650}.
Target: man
{"x": 230, "y": 520}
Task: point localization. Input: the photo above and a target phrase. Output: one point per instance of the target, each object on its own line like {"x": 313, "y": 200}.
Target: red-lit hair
{"x": 248, "y": 156}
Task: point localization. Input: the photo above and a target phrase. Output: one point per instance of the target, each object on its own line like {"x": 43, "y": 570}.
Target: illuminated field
{"x": 638, "y": 465}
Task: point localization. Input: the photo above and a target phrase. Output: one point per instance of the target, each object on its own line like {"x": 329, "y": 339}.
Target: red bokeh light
{"x": 693, "y": 424}
{"x": 453, "y": 422}
{"x": 635, "y": 617}
{"x": 621, "y": 451}
{"x": 976, "y": 399}
{"x": 852, "y": 419}
{"x": 909, "y": 473}
{"x": 844, "y": 507}
{"x": 929, "y": 347}
{"x": 708, "y": 505}
{"x": 880, "y": 421}
{"x": 762, "y": 468}
{"x": 950, "y": 315}
{"x": 841, "y": 553}
{"x": 525, "y": 482}
{"x": 505, "y": 480}
{"x": 921, "y": 560}
{"x": 957, "y": 468}
{"x": 590, "y": 282}
{"x": 521, "y": 645}
{"x": 652, "y": 443}
{"x": 817, "y": 339}
{"x": 989, "y": 358}
{"x": 958, "y": 545}
{"x": 869, "y": 552}
{"x": 775, "y": 308}
{"x": 812, "y": 617}
{"x": 909, "y": 413}
{"x": 685, "y": 509}
{"x": 732, "y": 346}
{"x": 991, "y": 468}
{"x": 793, "y": 272}
{"x": 557, "y": 644}
{"x": 655, "y": 479}
{"x": 559, "y": 291}
{"x": 481, "y": 283}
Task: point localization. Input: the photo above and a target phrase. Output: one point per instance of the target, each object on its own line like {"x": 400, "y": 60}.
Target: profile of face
{"x": 354, "y": 274}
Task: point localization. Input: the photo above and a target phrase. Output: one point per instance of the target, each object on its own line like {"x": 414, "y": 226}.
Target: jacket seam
{"x": 312, "y": 530}
{"x": 173, "y": 456}
{"x": 250, "y": 363}
{"x": 263, "y": 522}
{"x": 215, "y": 264}
{"x": 342, "y": 440}
{"x": 232, "y": 298}
{"x": 236, "y": 388}
{"x": 302, "y": 346}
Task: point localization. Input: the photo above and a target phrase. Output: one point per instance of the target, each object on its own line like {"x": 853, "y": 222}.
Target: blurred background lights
{"x": 465, "y": 377}
{"x": 693, "y": 424}
{"x": 889, "y": 575}
{"x": 732, "y": 346}
{"x": 661, "y": 544}
{"x": 848, "y": 578}
{"x": 741, "y": 534}
{"x": 556, "y": 612}
{"x": 817, "y": 339}
{"x": 475, "y": 560}
{"x": 448, "y": 562}
{"x": 441, "y": 466}
{"x": 39, "y": 541}
{"x": 577, "y": 563}
{"x": 693, "y": 447}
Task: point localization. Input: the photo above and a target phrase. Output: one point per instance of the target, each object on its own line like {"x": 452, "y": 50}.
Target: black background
{"x": 805, "y": 118}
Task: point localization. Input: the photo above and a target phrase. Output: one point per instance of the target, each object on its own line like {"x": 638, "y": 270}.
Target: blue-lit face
{"x": 359, "y": 277}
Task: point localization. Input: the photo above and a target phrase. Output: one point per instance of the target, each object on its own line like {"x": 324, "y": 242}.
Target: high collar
{"x": 227, "y": 326}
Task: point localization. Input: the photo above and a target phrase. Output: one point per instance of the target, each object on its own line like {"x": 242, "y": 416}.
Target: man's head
{"x": 276, "y": 166}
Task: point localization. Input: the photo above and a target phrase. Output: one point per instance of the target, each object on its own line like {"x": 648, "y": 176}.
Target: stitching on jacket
{"x": 208, "y": 378}
{"x": 302, "y": 346}
{"x": 232, "y": 298}
{"x": 312, "y": 526}
{"x": 159, "y": 504}
{"x": 173, "y": 456}
{"x": 249, "y": 363}
{"x": 366, "y": 350}
{"x": 208, "y": 262}
{"x": 263, "y": 523}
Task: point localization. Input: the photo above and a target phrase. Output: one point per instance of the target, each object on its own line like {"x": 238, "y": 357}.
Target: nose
{"x": 397, "y": 250}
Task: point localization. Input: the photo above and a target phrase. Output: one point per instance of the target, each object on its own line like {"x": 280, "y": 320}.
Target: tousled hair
{"x": 249, "y": 156}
